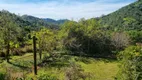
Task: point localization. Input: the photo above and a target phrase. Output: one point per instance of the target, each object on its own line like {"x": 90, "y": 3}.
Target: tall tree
{"x": 45, "y": 41}
{"x": 9, "y": 31}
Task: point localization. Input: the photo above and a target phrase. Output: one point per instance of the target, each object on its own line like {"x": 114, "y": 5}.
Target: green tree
{"x": 85, "y": 37}
{"x": 135, "y": 35}
{"x": 46, "y": 41}
{"x": 9, "y": 31}
{"x": 129, "y": 23}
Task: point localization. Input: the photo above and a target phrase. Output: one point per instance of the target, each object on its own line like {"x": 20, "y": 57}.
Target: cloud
{"x": 63, "y": 9}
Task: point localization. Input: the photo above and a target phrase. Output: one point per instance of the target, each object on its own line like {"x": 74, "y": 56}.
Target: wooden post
{"x": 34, "y": 48}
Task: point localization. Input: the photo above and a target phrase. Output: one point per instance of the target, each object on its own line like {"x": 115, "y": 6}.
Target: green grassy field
{"x": 100, "y": 69}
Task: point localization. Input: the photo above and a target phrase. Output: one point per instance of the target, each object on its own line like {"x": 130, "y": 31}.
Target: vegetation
{"x": 88, "y": 49}
{"x": 128, "y": 18}
{"x": 42, "y": 22}
{"x": 88, "y": 67}
{"x": 131, "y": 64}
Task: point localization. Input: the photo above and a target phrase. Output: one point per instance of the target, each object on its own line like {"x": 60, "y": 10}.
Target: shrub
{"x": 136, "y": 36}
{"x": 45, "y": 76}
{"x": 120, "y": 40}
{"x": 83, "y": 59}
{"x": 75, "y": 72}
{"x": 131, "y": 64}
{"x": 2, "y": 76}
{"x": 28, "y": 49}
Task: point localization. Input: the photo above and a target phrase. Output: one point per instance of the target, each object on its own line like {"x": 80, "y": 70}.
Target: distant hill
{"x": 48, "y": 20}
{"x": 39, "y": 22}
{"x": 28, "y": 22}
{"x": 58, "y": 22}
{"x": 17, "y": 19}
{"x": 128, "y": 17}
{"x": 31, "y": 22}
{"x": 61, "y": 21}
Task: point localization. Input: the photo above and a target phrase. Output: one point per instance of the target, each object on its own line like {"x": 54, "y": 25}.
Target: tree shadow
{"x": 51, "y": 63}
{"x": 19, "y": 66}
{"x": 105, "y": 58}
{"x": 1, "y": 59}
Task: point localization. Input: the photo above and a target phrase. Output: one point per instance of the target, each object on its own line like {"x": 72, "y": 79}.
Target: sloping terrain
{"x": 129, "y": 16}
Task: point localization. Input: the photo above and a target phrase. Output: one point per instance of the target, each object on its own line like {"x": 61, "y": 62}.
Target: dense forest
{"x": 103, "y": 48}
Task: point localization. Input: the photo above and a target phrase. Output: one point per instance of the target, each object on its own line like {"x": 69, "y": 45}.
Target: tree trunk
{"x": 88, "y": 46}
{"x": 8, "y": 51}
{"x": 40, "y": 54}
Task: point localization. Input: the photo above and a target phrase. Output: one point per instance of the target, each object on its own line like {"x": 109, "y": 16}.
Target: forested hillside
{"x": 57, "y": 22}
{"x": 18, "y": 20}
{"x": 41, "y": 22}
{"x": 128, "y": 17}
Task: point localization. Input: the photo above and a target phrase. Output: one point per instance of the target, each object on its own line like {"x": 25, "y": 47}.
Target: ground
{"x": 100, "y": 69}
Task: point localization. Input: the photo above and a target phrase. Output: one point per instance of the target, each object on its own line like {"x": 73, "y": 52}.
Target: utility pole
{"x": 34, "y": 48}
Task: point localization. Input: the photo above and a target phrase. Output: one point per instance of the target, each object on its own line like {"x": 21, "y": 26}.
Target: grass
{"x": 100, "y": 69}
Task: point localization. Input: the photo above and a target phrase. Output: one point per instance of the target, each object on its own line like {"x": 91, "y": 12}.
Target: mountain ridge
{"x": 129, "y": 17}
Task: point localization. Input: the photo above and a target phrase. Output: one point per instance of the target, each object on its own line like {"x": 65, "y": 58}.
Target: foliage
{"x": 2, "y": 76}
{"x": 38, "y": 22}
{"x": 57, "y": 22}
{"x": 131, "y": 63}
{"x": 85, "y": 37}
{"x": 45, "y": 76}
{"x": 135, "y": 35}
{"x": 90, "y": 38}
{"x": 10, "y": 31}
{"x": 120, "y": 40}
{"x": 75, "y": 72}
{"x": 126, "y": 18}
{"x": 83, "y": 59}
{"x": 46, "y": 41}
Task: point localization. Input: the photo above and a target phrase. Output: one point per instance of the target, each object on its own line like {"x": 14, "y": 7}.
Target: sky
{"x": 63, "y": 9}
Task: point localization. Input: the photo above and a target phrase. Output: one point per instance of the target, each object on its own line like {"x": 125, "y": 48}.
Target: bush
{"x": 83, "y": 59}
{"x": 131, "y": 64}
{"x": 120, "y": 40}
{"x": 136, "y": 36}
{"x": 16, "y": 52}
{"x": 27, "y": 49}
{"x": 21, "y": 51}
{"x": 2, "y": 76}
{"x": 75, "y": 72}
{"x": 45, "y": 76}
